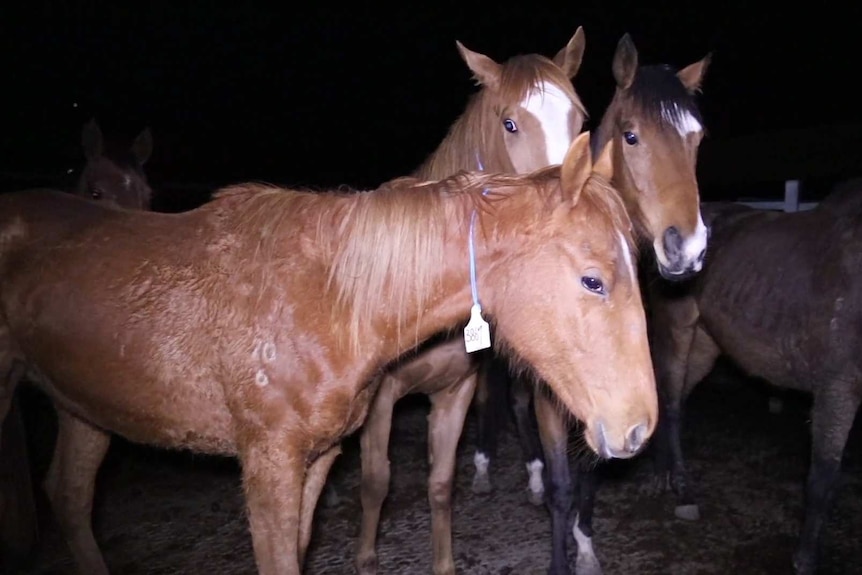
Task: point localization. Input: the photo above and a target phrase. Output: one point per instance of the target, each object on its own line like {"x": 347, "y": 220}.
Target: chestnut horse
{"x": 113, "y": 174}
{"x": 253, "y": 325}
{"x": 781, "y": 296}
{"x": 655, "y": 124}
{"x": 524, "y": 118}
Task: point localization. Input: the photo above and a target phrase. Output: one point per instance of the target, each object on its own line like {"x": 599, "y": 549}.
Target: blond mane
{"x": 383, "y": 247}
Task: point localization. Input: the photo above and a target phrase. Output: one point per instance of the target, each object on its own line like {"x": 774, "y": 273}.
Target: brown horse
{"x": 781, "y": 297}
{"x": 656, "y": 128}
{"x": 253, "y": 325}
{"x": 524, "y": 118}
{"x": 113, "y": 175}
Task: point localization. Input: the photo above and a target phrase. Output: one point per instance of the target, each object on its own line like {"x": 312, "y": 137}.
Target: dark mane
{"x": 658, "y": 92}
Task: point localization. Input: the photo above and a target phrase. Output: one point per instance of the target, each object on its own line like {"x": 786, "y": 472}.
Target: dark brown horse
{"x": 781, "y": 296}
{"x": 523, "y": 118}
{"x": 656, "y": 127}
{"x": 113, "y": 175}
{"x": 253, "y": 326}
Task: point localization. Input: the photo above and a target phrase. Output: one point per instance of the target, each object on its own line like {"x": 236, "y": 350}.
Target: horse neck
{"x": 423, "y": 289}
{"x": 472, "y": 143}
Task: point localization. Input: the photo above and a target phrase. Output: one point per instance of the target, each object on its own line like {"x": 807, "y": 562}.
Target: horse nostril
{"x": 701, "y": 255}
{"x": 672, "y": 240}
{"x": 636, "y": 437}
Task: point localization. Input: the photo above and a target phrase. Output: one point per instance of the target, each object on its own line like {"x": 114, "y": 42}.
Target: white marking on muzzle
{"x": 550, "y": 105}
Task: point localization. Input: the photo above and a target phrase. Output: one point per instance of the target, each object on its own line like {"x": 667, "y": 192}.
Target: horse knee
{"x": 440, "y": 494}
{"x": 375, "y": 483}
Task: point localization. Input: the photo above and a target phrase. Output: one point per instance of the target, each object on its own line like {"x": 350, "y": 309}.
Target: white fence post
{"x": 791, "y": 196}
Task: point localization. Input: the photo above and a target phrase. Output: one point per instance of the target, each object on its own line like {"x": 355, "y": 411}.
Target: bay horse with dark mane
{"x": 113, "y": 174}
{"x": 656, "y": 128}
{"x": 253, "y": 326}
{"x": 524, "y": 117}
{"x": 781, "y": 296}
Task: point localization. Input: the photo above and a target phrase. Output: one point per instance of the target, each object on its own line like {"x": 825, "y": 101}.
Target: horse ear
{"x": 576, "y": 167}
{"x": 569, "y": 58}
{"x": 485, "y": 70}
{"x": 142, "y": 147}
{"x": 625, "y": 62}
{"x": 604, "y": 166}
{"x": 91, "y": 140}
{"x": 692, "y": 75}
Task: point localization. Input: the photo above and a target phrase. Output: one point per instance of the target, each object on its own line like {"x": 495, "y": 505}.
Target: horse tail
{"x": 18, "y": 520}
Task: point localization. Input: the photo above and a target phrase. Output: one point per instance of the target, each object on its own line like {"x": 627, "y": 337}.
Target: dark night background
{"x": 326, "y": 94}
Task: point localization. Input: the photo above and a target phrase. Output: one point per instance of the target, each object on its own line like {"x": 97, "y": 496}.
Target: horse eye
{"x": 510, "y": 125}
{"x": 593, "y": 284}
{"x": 631, "y": 138}
{"x": 97, "y": 194}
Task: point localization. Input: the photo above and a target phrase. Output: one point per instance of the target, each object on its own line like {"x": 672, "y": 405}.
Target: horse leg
{"x": 374, "y": 444}
{"x": 18, "y": 520}
{"x": 587, "y": 484}
{"x": 701, "y": 359}
{"x": 491, "y": 409}
{"x": 554, "y": 434}
{"x": 448, "y": 411}
{"x": 273, "y": 474}
{"x": 70, "y": 483}
{"x": 832, "y": 418}
{"x": 525, "y": 422}
{"x": 315, "y": 479}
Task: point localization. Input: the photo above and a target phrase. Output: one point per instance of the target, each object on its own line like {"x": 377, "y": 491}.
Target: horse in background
{"x": 781, "y": 296}
{"x": 258, "y": 335}
{"x": 523, "y": 118}
{"x": 112, "y": 175}
{"x": 656, "y": 127}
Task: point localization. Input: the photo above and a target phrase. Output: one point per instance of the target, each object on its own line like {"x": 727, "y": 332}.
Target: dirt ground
{"x": 165, "y": 513}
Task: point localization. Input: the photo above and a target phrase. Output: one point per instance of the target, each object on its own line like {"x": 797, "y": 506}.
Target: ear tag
{"x": 477, "y": 333}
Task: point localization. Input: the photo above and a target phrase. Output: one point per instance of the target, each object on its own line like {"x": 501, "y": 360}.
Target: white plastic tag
{"x": 477, "y": 333}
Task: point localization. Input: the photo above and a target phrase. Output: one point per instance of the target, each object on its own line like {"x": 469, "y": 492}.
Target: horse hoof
{"x": 690, "y": 512}
{"x": 587, "y": 564}
{"x": 536, "y": 498}
{"x": 366, "y": 565}
{"x": 481, "y": 485}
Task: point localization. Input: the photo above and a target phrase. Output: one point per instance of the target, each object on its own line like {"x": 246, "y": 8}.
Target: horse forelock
{"x": 660, "y": 95}
{"x": 473, "y": 137}
{"x": 605, "y": 199}
{"x": 522, "y": 75}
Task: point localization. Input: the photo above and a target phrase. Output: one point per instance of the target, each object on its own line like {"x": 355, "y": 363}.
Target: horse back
{"x": 780, "y": 292}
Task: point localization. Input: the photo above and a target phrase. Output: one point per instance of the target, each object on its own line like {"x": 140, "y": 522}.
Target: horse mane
{"x": 518, "y": 76}
{"x": 370, "y": 240}
{"x": 663, "y": 98}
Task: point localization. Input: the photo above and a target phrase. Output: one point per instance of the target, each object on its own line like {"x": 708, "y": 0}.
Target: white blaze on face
{"x": 550, "y": 105}
{"x": 682, "y": 120}
{"x": 627, "y": 255}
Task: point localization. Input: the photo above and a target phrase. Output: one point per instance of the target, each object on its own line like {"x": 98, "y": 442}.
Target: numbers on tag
{"x": 477, "y": 332}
